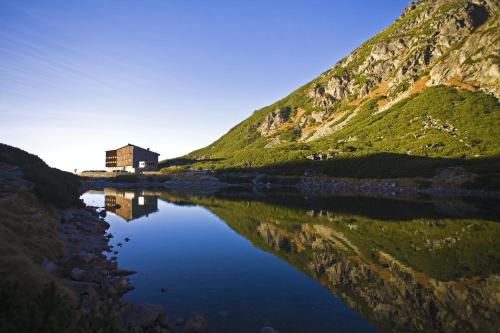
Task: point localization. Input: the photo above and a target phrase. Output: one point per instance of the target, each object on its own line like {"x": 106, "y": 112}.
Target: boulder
{"x": 77, "y": 274}
{"x": 122, "y": 272}
{"x": 84, "y": 256}
{"x": 273, "y": 121}
{"x": 145, "y": 316}
{"x": 273, "y": 142}
{"x": 121, "y": 284}
{"x": 48, "y": 266}
{"x": 321, "y": 98}
{"x": 195, "y": 324}
{"x": 65, "y": 217}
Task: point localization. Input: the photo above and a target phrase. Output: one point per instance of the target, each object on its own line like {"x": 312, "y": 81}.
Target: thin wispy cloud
{"x": 184, "y": 72}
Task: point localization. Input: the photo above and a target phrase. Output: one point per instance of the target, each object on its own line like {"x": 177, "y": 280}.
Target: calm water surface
{"x": 343, "y": 265}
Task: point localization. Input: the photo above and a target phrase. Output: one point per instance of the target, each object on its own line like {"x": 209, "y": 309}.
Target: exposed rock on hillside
{"x": 273, "y": 121}
{"x": 431, "y": 37}
{"x": 434, "y": 44}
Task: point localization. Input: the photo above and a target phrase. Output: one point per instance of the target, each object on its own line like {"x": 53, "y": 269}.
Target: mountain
{"x": 423, "y": 90}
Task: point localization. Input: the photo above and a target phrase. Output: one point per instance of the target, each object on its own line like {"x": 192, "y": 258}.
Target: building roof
{"x": 129, "y": 144}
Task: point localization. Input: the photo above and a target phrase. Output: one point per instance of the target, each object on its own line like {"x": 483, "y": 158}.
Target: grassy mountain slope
{"x": 426, "y": 87}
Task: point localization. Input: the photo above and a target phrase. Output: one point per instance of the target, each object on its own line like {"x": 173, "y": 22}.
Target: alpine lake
{"x": 297, "y": 263}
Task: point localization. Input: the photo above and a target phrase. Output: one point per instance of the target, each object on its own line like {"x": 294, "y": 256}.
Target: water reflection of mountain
{"x": 383, "y": 208}
{"x": 130, "y": 204}
{"x": 426, "y": 274}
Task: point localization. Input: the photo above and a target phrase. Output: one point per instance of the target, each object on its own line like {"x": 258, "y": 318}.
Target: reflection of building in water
{"x": 129, "y": 204}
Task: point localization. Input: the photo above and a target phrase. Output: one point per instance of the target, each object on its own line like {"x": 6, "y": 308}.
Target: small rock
{"x": 144, "y": 315}
{"x": 121, "y": 284}
{"x": 48, "y": 266}
{"x": 65, "y": 216}
{"x": 119, "y": 244}
{"x": 102, "y": 213}
{"x": 163, "y": 319}
{"x": 84, "y": 256}
{"x": 112, "y": 291}
{"x": 195, "y": 324}
{"x": 163, "y": 290}
{"x": 92, "y": 211}
{"x": 77, "y": 273}
{"x": 127, "y": 239}
{"x": 122, "y": 272}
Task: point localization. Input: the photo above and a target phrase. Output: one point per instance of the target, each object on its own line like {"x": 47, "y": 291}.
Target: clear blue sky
{"x": 80, "y": 77}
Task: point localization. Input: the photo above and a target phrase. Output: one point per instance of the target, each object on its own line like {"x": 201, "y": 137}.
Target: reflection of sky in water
{"x": 209, "y": 268}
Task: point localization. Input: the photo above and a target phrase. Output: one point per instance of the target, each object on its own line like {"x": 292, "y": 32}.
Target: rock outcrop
{"x": 434, "y": 43}
{"x": 273, "y": 121}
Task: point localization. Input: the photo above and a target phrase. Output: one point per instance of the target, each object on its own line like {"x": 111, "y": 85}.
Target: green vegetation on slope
{"x": 336, "y": 114}
{"x": 439, "y": 127}
{"x": 53, "y": 186}
{"x": 31, "y": 299}
{"x": 439, "y": 122}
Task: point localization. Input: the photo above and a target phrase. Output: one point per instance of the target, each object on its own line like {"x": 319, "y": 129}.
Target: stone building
{"x": 131, "y": 158}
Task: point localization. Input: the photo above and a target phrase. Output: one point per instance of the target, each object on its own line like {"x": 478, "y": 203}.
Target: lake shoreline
{"x": 419, "y": 254}
{"x": 86, "y": 284}
{"x": 100, "y": 281}
{"x": 204, "y": 183}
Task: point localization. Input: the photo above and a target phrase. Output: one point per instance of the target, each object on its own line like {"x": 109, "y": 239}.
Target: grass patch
{"x": 439, "y": 127}
{"x": 290, "y": 135}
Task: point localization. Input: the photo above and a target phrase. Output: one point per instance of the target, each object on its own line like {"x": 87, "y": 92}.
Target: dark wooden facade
{"x": 111, "y": 159}
{"x": 131, "y": 158}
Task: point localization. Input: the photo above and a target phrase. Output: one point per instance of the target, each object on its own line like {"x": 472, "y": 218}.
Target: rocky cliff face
{"x": 434, "y": 43}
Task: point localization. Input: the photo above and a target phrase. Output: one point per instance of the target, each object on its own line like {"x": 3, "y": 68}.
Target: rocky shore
{"x": 99, "y": 281}
{"x": 196, "y": 181}
{"x": 386, "y": 187}
{"x": 451, "y": 183}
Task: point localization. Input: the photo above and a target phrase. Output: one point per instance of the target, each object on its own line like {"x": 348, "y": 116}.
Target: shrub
{"x": 174, "y": 169}
{"x": 290, "y": 135}
{"x": 50, "y": 310}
